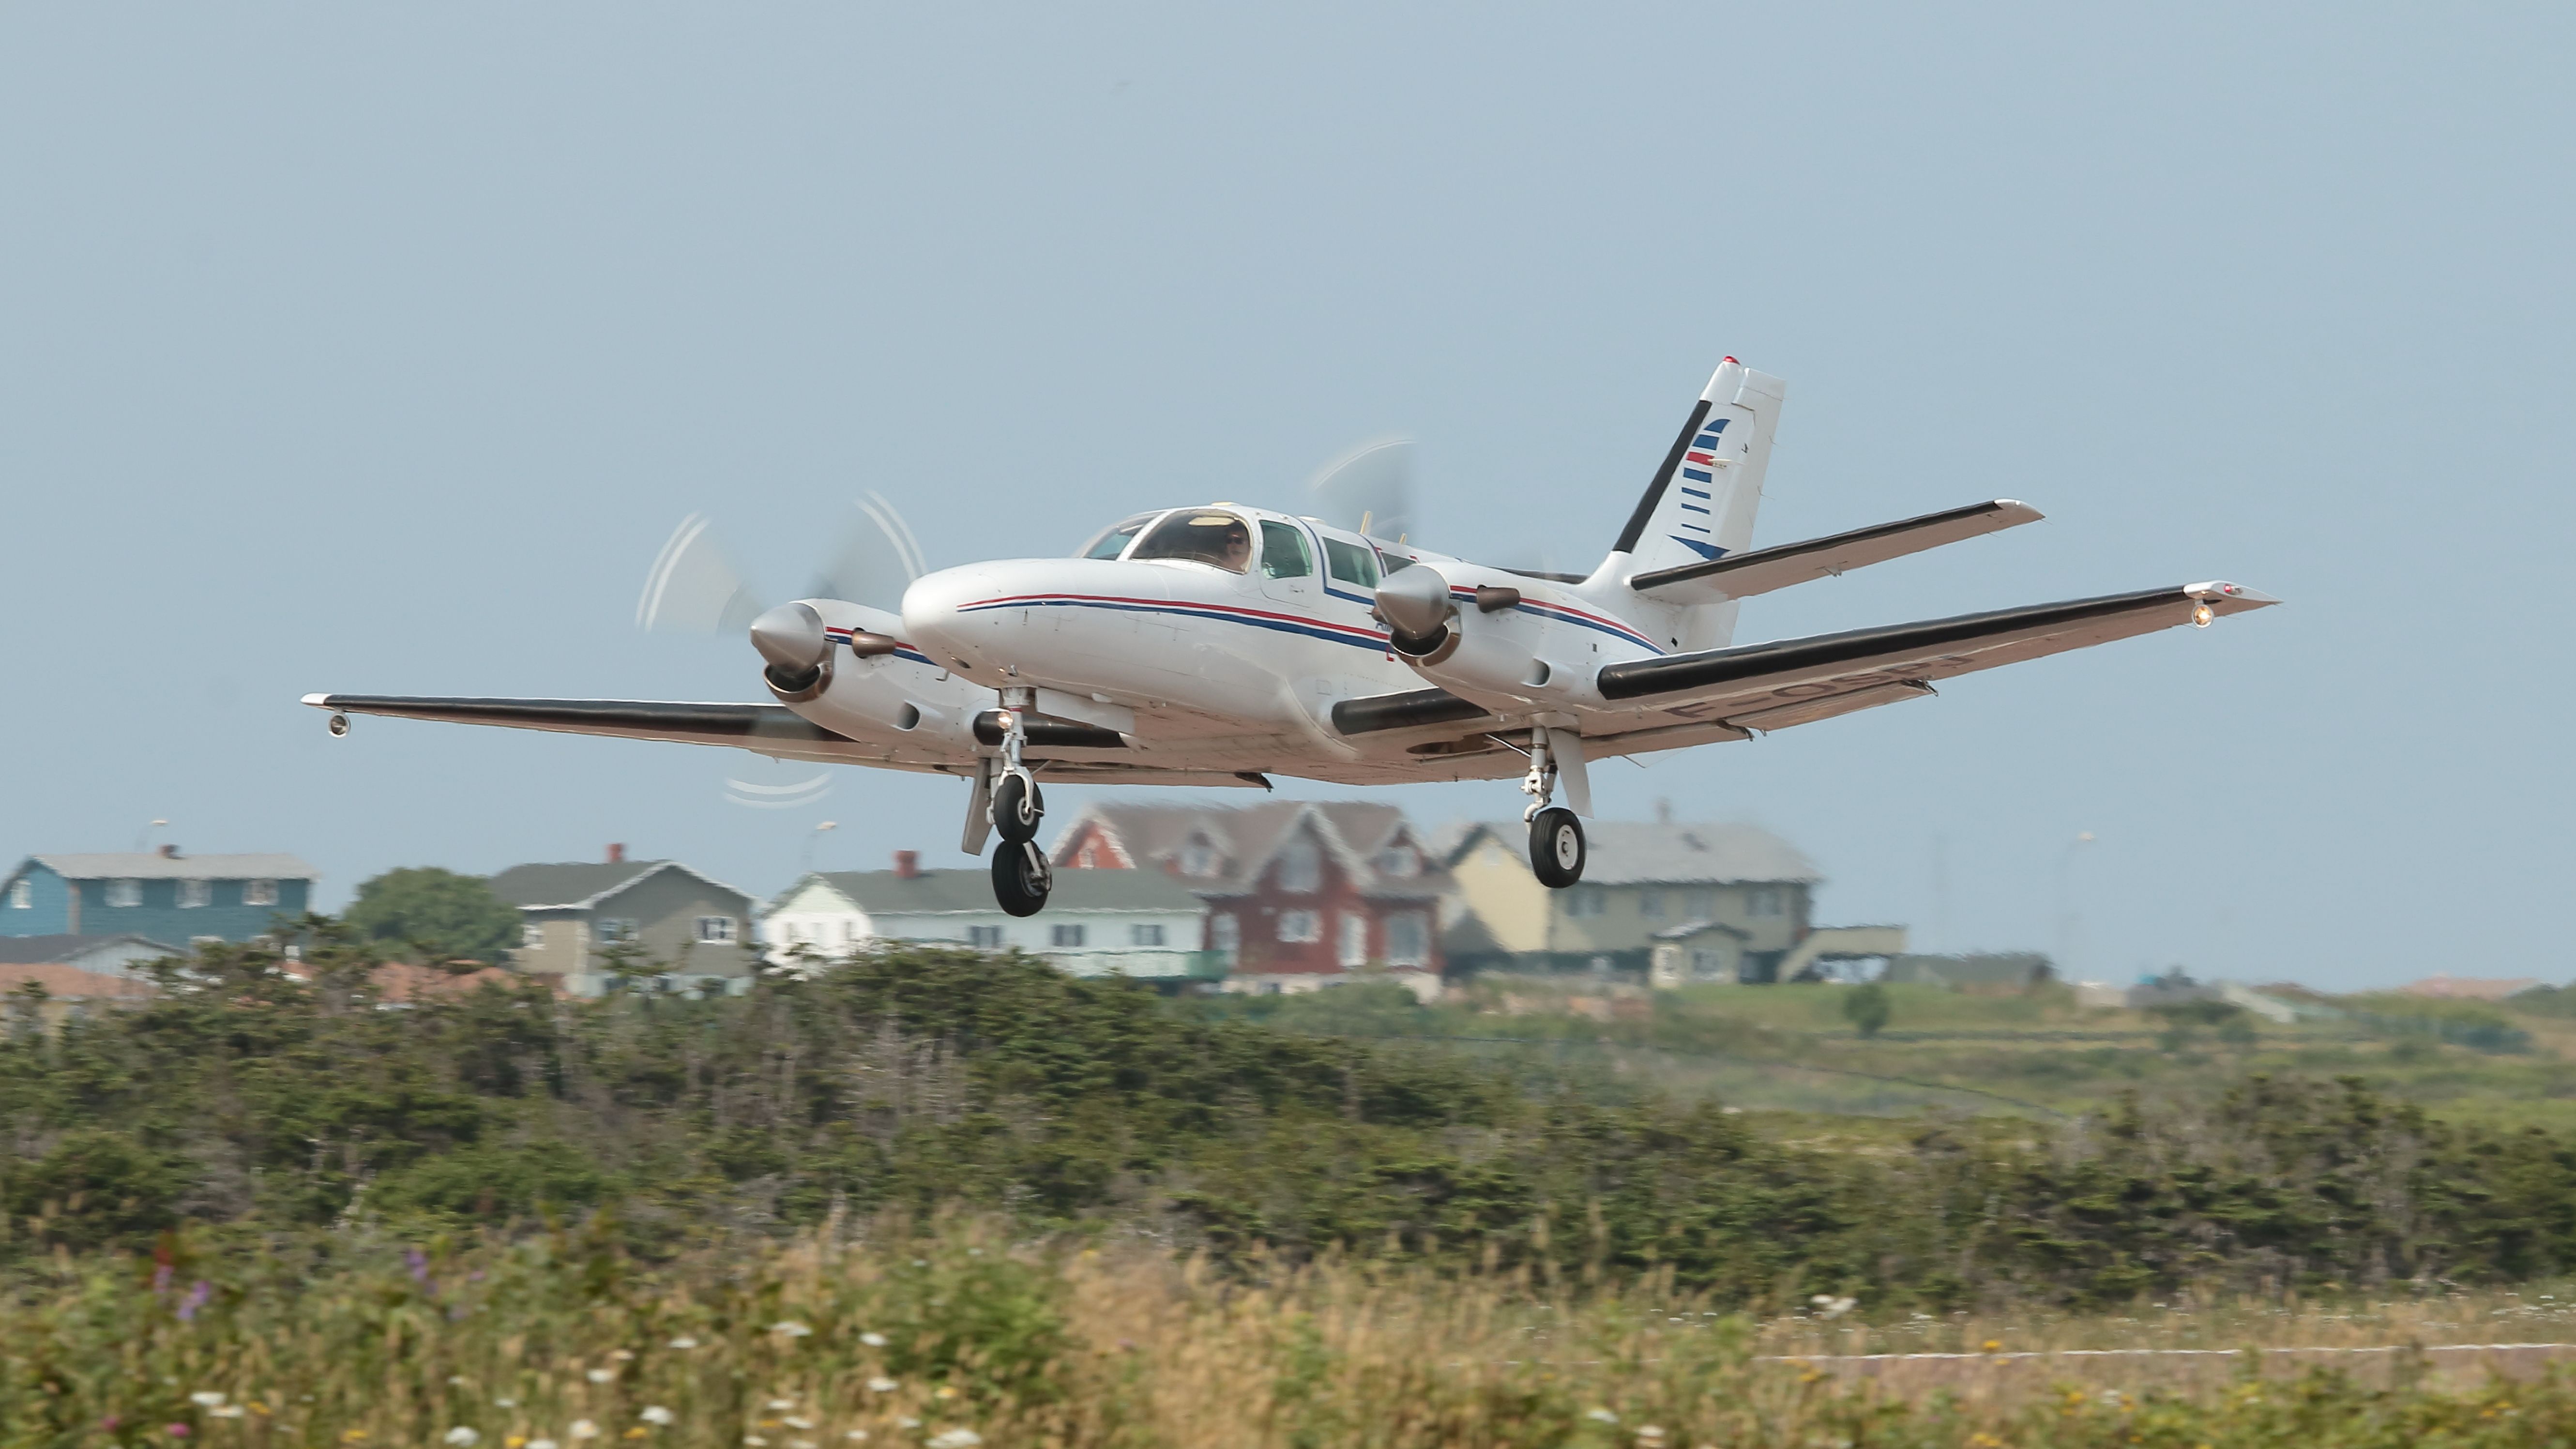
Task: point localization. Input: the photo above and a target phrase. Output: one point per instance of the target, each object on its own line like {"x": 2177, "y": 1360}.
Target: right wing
{"x": 1794, "y": 681}
{"x": 772, "y": 729}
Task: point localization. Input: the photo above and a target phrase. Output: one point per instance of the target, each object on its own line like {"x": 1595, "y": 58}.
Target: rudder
{"x": 1701, "y": 502}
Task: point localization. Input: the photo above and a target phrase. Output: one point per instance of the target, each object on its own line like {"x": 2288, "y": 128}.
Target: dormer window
{"x": 1198, "y": 858}
{"x": 1398, "y": 861}
{"x": 1301, "y": 866}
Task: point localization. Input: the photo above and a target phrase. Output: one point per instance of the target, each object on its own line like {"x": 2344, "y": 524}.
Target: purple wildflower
{"x": 178, "y": 1431}
{"x": 110, "y": 1422}
{"x": 196, "y": 1299}
{"x": 161, "y": 1280}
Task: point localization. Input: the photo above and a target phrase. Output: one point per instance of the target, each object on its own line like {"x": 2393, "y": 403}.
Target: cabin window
{"x": 259, "y": 893}
{"x": 1301, "y": 865}
{"x": 984, "y": 938}
{"x": 1144, "y": 935}
{"x": 22, "y": 895}
{"x": 1218, "y": 539}
{"x": 196, "y": 893}
{"x": 1283, "y": 552}
{"x": 1113, "y": 540}
{"x": 1352, "y": 563}
{"x": 1300, "y": 926}
{"x": 125, "y": 892}
{"x": 1354, "y": 950}
{"x": 715, "y": 930}
{"x": 1408, "y": 942}
{"x": 1065, "y": 936}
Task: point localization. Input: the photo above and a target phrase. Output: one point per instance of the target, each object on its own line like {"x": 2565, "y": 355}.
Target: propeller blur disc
{"x": 1373, "y": 483}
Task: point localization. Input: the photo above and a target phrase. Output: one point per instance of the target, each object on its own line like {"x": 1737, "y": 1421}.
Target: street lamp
{"x": 805, "y": 857}
{"x": 2066, "y": 918}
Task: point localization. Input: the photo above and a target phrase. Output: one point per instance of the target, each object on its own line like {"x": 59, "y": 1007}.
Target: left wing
{"x": 772, "y": 729}
{"x": 1793, "y": 681}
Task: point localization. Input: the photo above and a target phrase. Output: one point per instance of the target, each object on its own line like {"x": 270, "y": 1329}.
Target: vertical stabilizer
{"x": 1700, "y": 503}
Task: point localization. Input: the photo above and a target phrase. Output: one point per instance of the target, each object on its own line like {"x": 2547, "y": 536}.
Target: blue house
{"x": 179, "y": 899}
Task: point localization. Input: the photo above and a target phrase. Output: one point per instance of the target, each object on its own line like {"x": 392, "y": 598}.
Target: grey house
{"x": 696, "y": 928}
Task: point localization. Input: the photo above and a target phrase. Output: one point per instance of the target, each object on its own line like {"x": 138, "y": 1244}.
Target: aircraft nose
{"x": 953, "y": 613}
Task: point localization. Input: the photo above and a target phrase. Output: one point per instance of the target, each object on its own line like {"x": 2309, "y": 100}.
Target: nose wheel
{"x": 1021, "y": 878}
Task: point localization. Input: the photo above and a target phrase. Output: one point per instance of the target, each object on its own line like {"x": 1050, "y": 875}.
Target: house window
{"x": 532, "y": 937}
{"x": 1700, "y": 905}
{"x": 1408, "y": 940}
{"x": 1354, "y": 950}
{"x": 615, "y": 931}
{"x": 1587, "y": 901}
{"x": 22, "y": 895}
{"x": 1300, "y": 926}
{"x": 1650, "y": 903}
{"x": 1301, "y": 867}
{"x": 1065, "y": 936}
{"x": 984, "y": 938}
{"x": 715, "y": 930}
{"x": 196, "y": 893}
{"x": 1144, "y": 935}
{"x": 125, "y": 892}
{"x": 1766, "y": 900}
{"x": 259, "y": 893}
{"x": 1398, "y": 862}
{"x": 1225, "y": 933}
{"x": 1198, "y": 857}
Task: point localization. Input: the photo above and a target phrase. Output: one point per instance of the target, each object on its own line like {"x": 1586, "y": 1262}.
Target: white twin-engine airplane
{"x": 1221, "y": 644}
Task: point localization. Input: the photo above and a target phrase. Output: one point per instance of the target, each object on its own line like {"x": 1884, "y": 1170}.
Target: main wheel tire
{"x": 1556, "y": 847}
{"x": 1021, "y": 879}
{"x": 1018, "y": 806}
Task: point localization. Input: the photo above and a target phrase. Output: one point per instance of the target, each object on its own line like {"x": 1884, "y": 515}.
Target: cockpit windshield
{"x": 1201, "y": 536}
{"x": 1112, "y": 541}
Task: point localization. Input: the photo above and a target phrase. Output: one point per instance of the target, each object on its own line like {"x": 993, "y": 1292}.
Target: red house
{"x": 1300, "y": 895}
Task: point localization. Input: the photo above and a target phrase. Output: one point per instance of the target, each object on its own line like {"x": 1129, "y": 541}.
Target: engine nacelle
{"x": 1486, "y": 636}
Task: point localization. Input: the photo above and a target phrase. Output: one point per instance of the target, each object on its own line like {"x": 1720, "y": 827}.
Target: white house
{"x": 1141, "y": 924}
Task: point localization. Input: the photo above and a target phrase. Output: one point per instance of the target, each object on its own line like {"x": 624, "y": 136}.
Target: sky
{"x": 377, "y": 349}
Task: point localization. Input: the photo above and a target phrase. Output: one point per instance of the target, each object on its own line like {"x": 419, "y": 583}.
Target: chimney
{"x": 617, "y": 853}
{"x": 169, "y": 852}
{"x": 907, "y": 865}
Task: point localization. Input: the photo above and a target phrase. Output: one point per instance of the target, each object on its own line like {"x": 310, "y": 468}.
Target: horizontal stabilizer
{"x": 1761, "y": 570}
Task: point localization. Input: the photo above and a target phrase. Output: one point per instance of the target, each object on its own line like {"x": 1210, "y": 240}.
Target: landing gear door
{"x": 1287, "y": 566}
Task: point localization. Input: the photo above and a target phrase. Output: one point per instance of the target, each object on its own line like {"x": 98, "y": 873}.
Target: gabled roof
{"x": 581, "y": 885}
{"x": 1247, "y": 837}
{"x": 72, "y": 950}
{"x": 151, "y": 865}
{"x": 1622, "y": 852}
{"x": 1688, "y": 929}
{"x": 70, "y": 983}
{"x": 957, "y": 892}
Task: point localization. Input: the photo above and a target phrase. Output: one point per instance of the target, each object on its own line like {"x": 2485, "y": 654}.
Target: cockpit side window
{"x": 1352, "y": 563}
{"x": 1283, "y": 551}
{"x": 1200, "y": 536}
{"x": 1111, "y": 542}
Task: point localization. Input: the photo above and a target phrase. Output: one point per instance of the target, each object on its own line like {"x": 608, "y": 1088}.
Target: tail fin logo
{"x": 1699, "y": 466}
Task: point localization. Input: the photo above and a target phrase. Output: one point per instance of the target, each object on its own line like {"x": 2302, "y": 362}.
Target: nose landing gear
{"x": 1011, "y": 804}
{"x": 1556, "y": 845}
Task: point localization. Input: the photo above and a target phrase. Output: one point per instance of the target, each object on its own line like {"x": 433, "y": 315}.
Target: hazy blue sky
{"x": 377, "y": 349}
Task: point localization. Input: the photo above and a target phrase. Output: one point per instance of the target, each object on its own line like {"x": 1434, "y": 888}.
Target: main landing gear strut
{"x": 1556, "y": 844}
{"x": 1008, "y": 800}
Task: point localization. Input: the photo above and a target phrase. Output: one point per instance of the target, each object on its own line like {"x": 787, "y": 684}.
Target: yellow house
{"x": 1734, "y": 899}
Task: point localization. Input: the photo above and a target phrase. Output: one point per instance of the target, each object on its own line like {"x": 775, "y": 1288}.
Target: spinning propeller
{"x": 1368, "y": 489}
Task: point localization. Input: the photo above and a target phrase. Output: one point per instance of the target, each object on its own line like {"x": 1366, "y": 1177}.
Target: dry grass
{"x": 962, "y": 1337}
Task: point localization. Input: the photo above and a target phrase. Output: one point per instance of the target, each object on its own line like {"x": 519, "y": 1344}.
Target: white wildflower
{"x": 622, "y": 1355}
{"x": 226, "y": 1411}
{"x": 601, "y": 1376}
{"x": 456, "y": 1381}
{"x": 755, "y": 1441}
{"x": 205, "y": 1398}
{"x": 1602, "y": 1416}
{"x": 782, "y": 1404}
{"x": 907, "y": 1423}
{"x": 873, "y": 1339}
{"x": 800, "y": 1444}
{"x": 795, "y": 1423}
{"x": 656, "y": 1414}
{"x": 857, "y": 1436}
{"x": 882, "y": 1385}
{"x": 462, "y": 1437}
{"x": 790, "y": 1327}
{"x": 582, "y": 1429}
{"x": 684, "y": 1343}
{"x": 1650, "y": 1434}
{"x": 955, "y": 1439}
{"x": 541, "y": 1444}
{"x": 1828, "y": 1306}
{"x": 505, "y": 1403}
